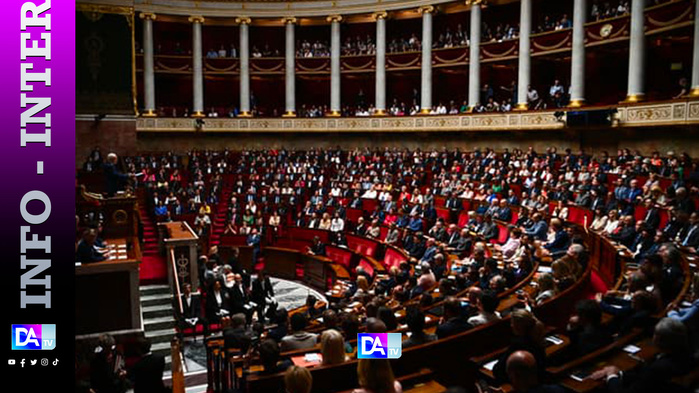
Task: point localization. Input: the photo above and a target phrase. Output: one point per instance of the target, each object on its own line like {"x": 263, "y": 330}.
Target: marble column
{"x": 197, "y": 66}
{"x": 577, "y": 62}
{"x": 426, "y": 76}
{"x": 525, "y": 59}
{"x": 380, "y": 78}
{"x": 290, "y": 67}
{"x": 245, "y": 110}
{"x": 637, "y": 52}
{"x": 474, "y": 58}
{"x": 695, "y": 59}
{"x": 335, "y": 46}
{"x": 148, "y": 69}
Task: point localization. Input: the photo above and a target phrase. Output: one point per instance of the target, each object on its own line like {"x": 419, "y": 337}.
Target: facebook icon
{"x": 379, "y": 345}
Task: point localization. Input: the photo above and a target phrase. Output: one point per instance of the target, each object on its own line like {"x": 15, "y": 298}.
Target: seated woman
{"x": 546, "y": 289}
{"x": 298, "y": 380}
{"x": 325, "y": 222}
{"x": 332, "y": 347}
{"x": 599, "y": 221}
{"x": 376, "y": 376}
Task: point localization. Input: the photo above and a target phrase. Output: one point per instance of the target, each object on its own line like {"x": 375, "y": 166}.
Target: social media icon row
{"x": 32, "y": 362}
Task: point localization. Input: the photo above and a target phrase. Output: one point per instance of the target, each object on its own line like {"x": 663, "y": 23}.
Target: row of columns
{"x": 636, "y": 70}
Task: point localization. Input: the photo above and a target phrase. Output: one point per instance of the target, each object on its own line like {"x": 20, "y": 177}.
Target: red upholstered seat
{"x": 362, "y": 245}
{"x": 367, "y": 266}
{"x": 443, "y": 213}
{"x": 339, "y": 255}
{"x": 392, "y": 257}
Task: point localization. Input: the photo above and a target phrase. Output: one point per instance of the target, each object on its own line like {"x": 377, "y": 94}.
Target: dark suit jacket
{"x": 652, "y": 217}
{"x": 318, "y": 249}
{"x": 147, "y": 374}
{"x": 625, "y": 236}
{"x": 193, "y": 310}
{"x": 259, "y": 294}
{"x": 212, "y": 307}
{"x": 654, "y": 376}
{"x": 453, "y": 326}
{"x": 560, "y": 242}
{"x": 237, "y": 338}
{"x": 87, "y": 253}
{"x": 238, "y": 299}
{"x": 114, "y": 178}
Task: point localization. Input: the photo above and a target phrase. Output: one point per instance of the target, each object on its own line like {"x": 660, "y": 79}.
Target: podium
{"x": 107, "y": 292}
{"x": 181, "y": 249}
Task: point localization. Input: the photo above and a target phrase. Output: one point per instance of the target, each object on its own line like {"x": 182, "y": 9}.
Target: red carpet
{"x": 153, "y": 270}
{"x": 153, "y": 266}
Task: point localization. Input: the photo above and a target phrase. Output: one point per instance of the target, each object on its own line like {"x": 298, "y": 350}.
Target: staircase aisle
{"x": 158, "y": 318}
{"x": 220, "y": 215}
{"x": 153, "y": 265}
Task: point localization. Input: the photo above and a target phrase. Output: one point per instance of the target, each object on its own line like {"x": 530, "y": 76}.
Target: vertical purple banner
{"x": 38, "y": 202}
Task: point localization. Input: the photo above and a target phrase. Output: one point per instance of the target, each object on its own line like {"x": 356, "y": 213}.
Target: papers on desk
{"x": 307, "y": 360}
{"x": 554, "y": 340}
{"x": 580, "y": 375}
{"x": 544, "y": 269}
{"x": 312, "y": 357}
{"x": 632, "y": 349}
{"x": 490, "y": 365}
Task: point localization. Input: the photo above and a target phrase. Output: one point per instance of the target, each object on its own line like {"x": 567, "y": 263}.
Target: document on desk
{"x": 580, "y": 375}
{"x": 632, "y": 349}
{"x": 490, "y": 365}
{"x": 554, "y": 340}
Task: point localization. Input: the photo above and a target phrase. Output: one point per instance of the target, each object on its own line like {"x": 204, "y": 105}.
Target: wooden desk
{"x": 281, "y": 262}
{"x": 618, "y": 357}
{"x": 106, "y": 293}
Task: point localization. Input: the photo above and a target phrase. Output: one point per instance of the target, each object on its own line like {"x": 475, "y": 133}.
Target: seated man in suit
{"x": 217, "y": 303}
{"x": 262, "y": 293}
{"x": 585, "y": 329}
{"x": 87, "y": 251}
{"x": 561, "y": 241}
{"x": 191, "y": 316}
{"x": 240, "y": 298}
{"x": 416, "y": 324}
{"x": 454, "y": 321}
{"x": 147, "y": 373}
{"x": 298, "y": 339}
{"x": 674, "y": 359}
{"x": 236, "y": 335}
{"x": 317, "y": 248}
{"x": 538, "y": 229}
